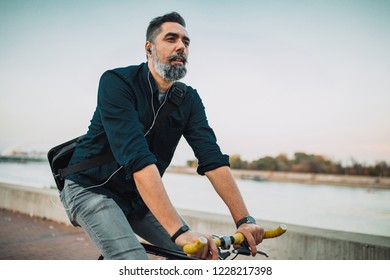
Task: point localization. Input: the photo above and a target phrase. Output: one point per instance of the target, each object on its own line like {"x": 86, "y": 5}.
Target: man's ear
{"x": 148, "y": 48}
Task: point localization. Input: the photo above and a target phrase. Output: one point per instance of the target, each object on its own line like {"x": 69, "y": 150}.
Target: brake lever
{"x": 223, "y": 255}
{"x": 245, "y": 250}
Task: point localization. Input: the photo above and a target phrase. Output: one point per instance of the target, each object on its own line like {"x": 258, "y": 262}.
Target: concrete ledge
{"x": 302, "y": 243}
{"x": 43, "y": 203}
{"x": 299, "y": 243}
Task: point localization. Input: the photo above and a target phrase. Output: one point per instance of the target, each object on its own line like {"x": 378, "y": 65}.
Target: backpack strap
{"x": 177, "y": 93}
{"x": 175, "y": 98}
{"x": 86, "y": 164}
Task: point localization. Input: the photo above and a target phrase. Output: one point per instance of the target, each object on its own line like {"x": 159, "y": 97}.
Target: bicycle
{"x": 224, "y": 244}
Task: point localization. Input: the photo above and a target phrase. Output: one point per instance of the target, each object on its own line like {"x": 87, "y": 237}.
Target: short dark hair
{"x": 154, "y": 27}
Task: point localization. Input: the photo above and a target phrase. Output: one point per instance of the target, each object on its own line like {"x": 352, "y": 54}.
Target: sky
{"x": 275, "y": 76}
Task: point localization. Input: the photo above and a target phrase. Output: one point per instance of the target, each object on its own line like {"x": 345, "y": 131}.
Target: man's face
{"x": 170, "y": 51}
{"x": 172, "y": 39}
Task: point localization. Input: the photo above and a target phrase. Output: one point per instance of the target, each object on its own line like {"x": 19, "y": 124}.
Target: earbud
{"x": 149, "y": 51}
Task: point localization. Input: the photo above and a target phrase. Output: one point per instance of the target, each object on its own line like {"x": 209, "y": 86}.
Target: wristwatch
{"x": 246, "y": 220}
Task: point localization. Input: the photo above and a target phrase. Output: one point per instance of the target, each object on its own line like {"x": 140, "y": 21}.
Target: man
{"x": 117, "y": 200}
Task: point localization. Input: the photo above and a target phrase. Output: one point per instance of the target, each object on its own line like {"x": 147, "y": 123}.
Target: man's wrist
{"x": 246, "y": 220}
{"x": 179, "y": 232}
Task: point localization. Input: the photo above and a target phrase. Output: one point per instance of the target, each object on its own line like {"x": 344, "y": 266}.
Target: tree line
{"x": 307, "y": 163}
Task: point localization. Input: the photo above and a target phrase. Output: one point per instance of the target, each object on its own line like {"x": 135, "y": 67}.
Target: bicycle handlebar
{"x": 226, "y": 241}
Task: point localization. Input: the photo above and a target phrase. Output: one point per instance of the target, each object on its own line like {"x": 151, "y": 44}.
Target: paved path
{"x": 30, "y": 238}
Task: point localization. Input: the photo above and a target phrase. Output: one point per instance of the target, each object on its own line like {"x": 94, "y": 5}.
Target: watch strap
{"x": 179, "y": 232}
{"x": 246, "y": 220}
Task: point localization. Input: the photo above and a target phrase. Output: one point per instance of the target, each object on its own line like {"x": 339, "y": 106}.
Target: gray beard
{"x": 168, "y": 72}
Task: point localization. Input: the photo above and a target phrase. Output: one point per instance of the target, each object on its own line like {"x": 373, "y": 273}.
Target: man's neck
{"x": 163, "y": 85}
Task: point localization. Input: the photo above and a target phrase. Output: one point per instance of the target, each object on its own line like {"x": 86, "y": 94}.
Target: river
{"x": 362, "y": 210}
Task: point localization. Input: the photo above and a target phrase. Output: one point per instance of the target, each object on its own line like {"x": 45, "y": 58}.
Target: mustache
{"x": 178, "y": 55}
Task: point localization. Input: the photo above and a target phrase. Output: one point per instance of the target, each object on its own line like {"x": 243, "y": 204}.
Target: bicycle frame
{"x": 166, "y": 253}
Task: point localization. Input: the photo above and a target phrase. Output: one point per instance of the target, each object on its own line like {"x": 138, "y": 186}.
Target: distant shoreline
{"x": 306, "y": 178}
{"x": 22, "y": 159}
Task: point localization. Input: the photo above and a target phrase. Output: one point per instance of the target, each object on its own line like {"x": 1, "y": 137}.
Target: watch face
{"x": 250, "y": 220}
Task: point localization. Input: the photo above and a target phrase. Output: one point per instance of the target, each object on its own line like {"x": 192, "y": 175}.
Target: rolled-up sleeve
{"x": 202, "y": 139}
{"x": 116, "y": 104}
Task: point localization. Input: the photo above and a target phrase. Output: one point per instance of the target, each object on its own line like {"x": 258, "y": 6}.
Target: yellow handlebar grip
{"x": 275, "y": 232}
{"x": 238, "y": 238}
{"x": 195, "y": 247}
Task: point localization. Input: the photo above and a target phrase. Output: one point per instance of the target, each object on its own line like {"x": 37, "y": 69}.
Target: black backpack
{"x": 59, "y": 157}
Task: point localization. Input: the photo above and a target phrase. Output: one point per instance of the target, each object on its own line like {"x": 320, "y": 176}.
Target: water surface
{"x": 351, "y": 209}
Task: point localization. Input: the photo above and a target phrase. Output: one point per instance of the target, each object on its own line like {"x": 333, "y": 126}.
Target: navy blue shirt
{"x": 123, "y": 116}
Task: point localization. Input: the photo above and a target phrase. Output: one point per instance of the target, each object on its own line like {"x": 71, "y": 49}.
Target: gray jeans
{"x": 108, "y": 227}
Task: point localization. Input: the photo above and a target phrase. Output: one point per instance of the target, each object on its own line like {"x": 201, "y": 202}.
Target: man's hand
{"x": 253, "y": 235}
{"x": 209, "y": 251}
